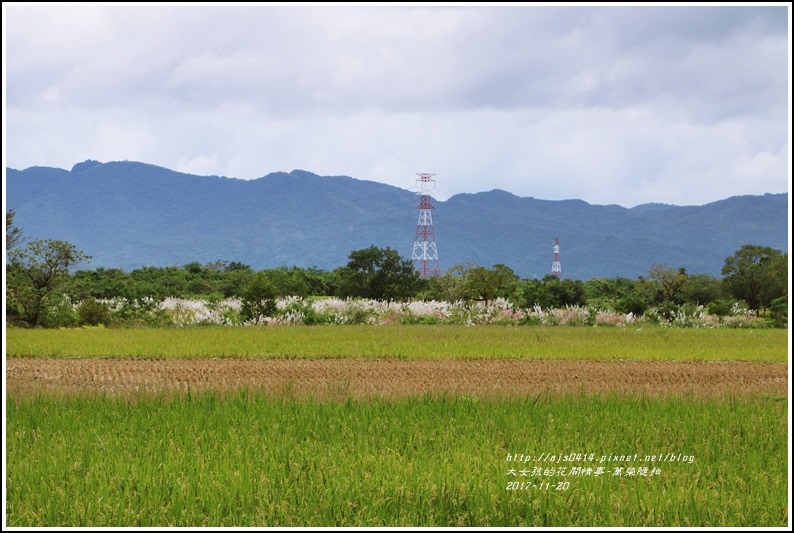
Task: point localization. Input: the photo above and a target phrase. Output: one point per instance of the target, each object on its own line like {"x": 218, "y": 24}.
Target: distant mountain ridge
{"x": 130, "y": 214}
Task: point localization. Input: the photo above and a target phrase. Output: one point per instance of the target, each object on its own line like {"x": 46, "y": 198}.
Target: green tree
{"x": 193, "y": 267}
{"x": 34, "y": 273}
{"x": 552, "y": 292}
{"x": 534, "y": 292}
{"x": 13, "y": 234}
{"x": 757, "y": 275}
{"x": 633, "y": 303}
{"x": 778, "y": 312}
{"x": 649, "y": 290}
{"x": 672, "y": 282}
{"x": 259, "y": 299}
{"x": 202, "y": 280}
{"x": 235, "y": 277}
{"x": 102, "y": 283}
{"x": 720, "y": 308}
{"x": 488, "y": 284}
{"x": 605, "y": 292}
{"x": 290, "y": 281}
{"x": 702, "y": 289}
{"x": 379, "y": 274}
{"x": 318, "y": 280}
{"x": 565, "y": 292}
{"x": 158, "y": 282}
{"x": 448, "y": 287}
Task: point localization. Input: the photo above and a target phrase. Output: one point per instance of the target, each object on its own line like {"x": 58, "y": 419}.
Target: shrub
{"x": 303, "y": 311}
{"x": 259, "y": 299}
{"x": 426, "y": 319}
{"x": 778, "y": 312}
{"x": 59, "y": 312}
{"x": 92, "y": 312}
{"x": 632, "y": 303}
{"x": 720, "y": 308}
{"x": 140, "y": 312}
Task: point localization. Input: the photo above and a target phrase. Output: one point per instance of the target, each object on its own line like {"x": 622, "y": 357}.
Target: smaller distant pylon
{"x": 556, "y": 269}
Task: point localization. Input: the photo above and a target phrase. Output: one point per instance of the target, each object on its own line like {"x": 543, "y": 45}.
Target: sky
{"x": 676, "y": 104}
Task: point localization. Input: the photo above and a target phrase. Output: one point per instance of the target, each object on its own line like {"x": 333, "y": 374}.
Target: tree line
{"x": 42, "y": 274}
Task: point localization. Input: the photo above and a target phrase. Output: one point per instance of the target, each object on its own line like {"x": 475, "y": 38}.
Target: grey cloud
{"x": 297, "y": 60}
{"x": 647, "y": 26}
{"x": 601, "y": 103}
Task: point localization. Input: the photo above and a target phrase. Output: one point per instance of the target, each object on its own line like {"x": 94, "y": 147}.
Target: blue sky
{"x": 678, "y": 104}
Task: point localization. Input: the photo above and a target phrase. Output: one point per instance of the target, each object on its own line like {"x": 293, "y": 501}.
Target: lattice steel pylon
{"x": 425, "y": 253}
{"x": 556, "y": 269}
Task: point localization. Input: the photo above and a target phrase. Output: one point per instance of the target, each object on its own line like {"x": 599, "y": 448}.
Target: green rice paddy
{"x": 248, "y": 460}
{"x": 407, "y": 342}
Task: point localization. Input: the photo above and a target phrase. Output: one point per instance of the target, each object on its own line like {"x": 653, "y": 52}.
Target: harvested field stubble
{"x": 324, "y": 379}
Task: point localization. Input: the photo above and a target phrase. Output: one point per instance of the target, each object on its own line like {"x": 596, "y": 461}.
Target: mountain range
{"x": 128, "y": 214}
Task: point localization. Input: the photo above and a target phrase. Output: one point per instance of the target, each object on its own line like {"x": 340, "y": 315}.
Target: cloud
{"x": 675, "y": 104}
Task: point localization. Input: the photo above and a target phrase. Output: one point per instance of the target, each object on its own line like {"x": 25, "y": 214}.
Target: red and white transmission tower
{"x": 556, "y": 269}
{"x": 425, "y": 254}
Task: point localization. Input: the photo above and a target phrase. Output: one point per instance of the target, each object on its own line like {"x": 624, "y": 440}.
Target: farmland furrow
{"x": 392, "y": 378}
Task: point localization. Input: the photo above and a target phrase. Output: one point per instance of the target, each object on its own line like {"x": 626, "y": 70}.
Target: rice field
{"x": 406, "y": 342}
{"x": 370, "y": 426}
{"x": 250, "y": 460}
